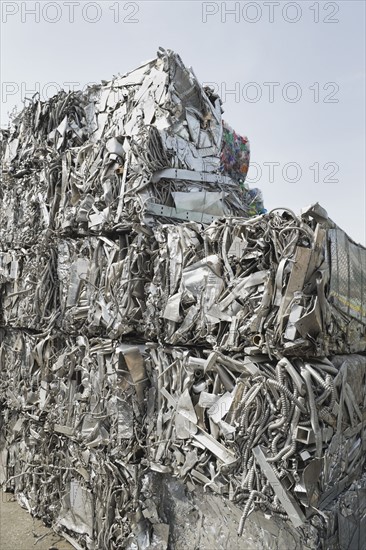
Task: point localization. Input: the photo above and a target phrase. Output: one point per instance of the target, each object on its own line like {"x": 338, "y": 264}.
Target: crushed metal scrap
{"x": 274, "y": 284}
{"x": 147, "y": 143}
{"x": 168, "y": 348}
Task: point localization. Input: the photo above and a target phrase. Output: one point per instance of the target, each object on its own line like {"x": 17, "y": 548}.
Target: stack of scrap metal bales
{"x": 177, "y": 365}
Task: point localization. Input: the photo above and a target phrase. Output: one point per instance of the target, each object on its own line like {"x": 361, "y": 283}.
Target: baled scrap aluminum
{"x": 32, "y": 165}
{"x": 260, "y": 284}
{"x": 209, "y": 413}
{"x": 245, "y": 443}
{"x": 246, "y": 401}
{"x": 102, "y": 284}
{"x": 24, "y": 214}
{"x": 87, "y": 160}
{"x": 28, "y": 295}
{"x": 95, "y": 284}
{"x": 86, "y": 416}
{"x": 72, "y": 432}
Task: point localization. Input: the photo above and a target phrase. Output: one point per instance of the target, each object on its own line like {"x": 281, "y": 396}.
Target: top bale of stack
{"x": 149, "y": 144}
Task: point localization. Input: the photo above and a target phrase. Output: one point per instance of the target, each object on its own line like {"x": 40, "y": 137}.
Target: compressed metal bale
{"x": 94, "y": 284}
{"x": 32, "y": 155}
{"x": 213, "y": 412}
{"x": 70, "y": 433}
{"x": 89, "y": 160}
{"x": 24, "y": 215}
{"x": 257, "y": 285}
{"x": 217, "y": 521}
{"x": 28, "y": 293}
{"x": 102, "y": 283}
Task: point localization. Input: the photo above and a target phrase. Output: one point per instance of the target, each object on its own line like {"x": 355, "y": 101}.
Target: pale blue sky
{"x": 306, "y": 132}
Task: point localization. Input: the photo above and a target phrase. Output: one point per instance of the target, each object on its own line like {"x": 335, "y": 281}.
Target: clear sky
{"x": 296, "y": 72}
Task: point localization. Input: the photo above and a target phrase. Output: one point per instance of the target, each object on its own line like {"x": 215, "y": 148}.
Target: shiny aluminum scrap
{"x": 93, "y": 285}
{"x": 282, "y": 436}
{"x": 154, "y": 321}
{"x": 272, "y": 284}
{"x": 102, "y": 284}
{"x": 70, "y": 444}
{"x": 28, "y": 291}
{"x": 91, "y": 416}
{"x": 143, "y": 145}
